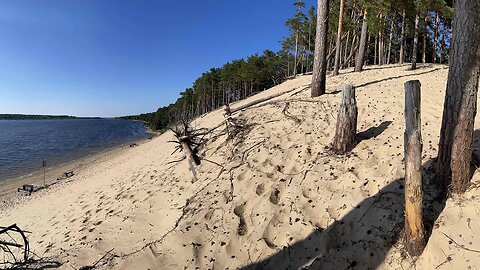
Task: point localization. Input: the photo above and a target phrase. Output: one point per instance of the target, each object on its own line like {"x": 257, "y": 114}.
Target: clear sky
{"x": 118, "y": 57}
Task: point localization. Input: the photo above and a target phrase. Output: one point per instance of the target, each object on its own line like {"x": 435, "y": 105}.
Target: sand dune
{"x": 279, "y": 200}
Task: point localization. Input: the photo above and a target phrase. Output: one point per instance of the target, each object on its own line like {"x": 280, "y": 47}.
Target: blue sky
{"x": 111, "y": 58}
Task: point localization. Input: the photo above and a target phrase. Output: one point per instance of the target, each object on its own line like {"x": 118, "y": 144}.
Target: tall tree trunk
{"x": 345, "y": 50}
{"x": 390, "y": 40}
{"x": 309, "y": 44}
{"x": 415, "y": 45}
{"x": 460, "y": 108}
{"x": 380, "y": 42}
{"x": 296, "y": 55}
{"x": 363, "y": 44}
{"x": 402, "y": 40}
{"x": 338, "y": 49}
{"x": 375, "y": 53}
{"x": 435, "y": 36}
{"x": 424, "y": 51}
{"x": 319, "y": 77}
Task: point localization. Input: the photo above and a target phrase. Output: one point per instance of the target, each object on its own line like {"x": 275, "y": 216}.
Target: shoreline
{"x": 9, "y": 194}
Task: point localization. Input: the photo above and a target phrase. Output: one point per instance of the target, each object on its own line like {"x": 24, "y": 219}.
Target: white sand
{"x": 280, "y": 201}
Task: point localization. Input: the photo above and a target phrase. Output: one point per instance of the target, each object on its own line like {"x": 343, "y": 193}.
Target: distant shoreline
{"x": 41, "y": 117}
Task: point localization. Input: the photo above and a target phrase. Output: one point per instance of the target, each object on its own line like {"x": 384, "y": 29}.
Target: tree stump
{"x": 414, "y": 228}
{"x": 346, "y": 129}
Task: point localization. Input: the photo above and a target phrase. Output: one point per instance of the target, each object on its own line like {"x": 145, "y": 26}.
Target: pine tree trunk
{"x": 456, "y": 135}
{"x": 375, "y": 53}
{"x": 345, "y": 50}
{"x": 435, "y": 36}
{"x": 402, "y": 40}
{"x": 296, "y": 55}
{"x": 390, "y": 41}
{"x": 346, "y": 129}
{"x": 320, "y": 60}
{"x": 424, "y": 51}
{"x": 380, "y": 42}
{"x": 415, "y": 45}
{"x": 363, "y": 44}
{"x": 414, "y": 229}
{"x": 336, "y": 67}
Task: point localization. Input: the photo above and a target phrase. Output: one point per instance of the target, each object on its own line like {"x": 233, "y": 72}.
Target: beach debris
{"x": 68, "y": 174}
{"x": 133, "y": 145}
{"x": 28, "y": 189}
{"x": 16, "y": 253}
{"x": 189, "y": 140}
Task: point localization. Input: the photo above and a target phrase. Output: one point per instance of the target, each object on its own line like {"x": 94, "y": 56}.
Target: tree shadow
{"x": 373, "y": 132}
{"x": 363, "y": 237}
{"x": 397, "y": 77}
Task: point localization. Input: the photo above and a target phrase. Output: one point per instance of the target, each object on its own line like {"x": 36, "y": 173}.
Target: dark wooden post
{"x": 346, "y": 129}
{"x": 414, "y": 229}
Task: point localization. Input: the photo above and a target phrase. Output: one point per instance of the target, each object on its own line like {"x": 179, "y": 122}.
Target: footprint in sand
{"x": 242, "y": 226}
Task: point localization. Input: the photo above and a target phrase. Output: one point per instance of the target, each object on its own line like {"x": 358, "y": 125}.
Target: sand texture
{"x": 270, "y": 197}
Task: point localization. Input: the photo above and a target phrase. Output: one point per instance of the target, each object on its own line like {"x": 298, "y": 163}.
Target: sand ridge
{"x": 279, "y": 200}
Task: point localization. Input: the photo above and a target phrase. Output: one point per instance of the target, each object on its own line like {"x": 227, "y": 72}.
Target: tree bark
{"x": 402, "y": 40}
{"x": 346, "y": 129}
{"x": 459, "y": 111}
{"x": 380, "y": 42}
{"x": 435, "y": 36}
{"x": 415, "y": 45}
{"x": 390, "y": 40}
{"x": 424, "y": 51}
{"x": 320, "y": 60}
{"x": 414, "y": 229}
{"x": 363, "y": 44}
{"x": 336, "y": 67}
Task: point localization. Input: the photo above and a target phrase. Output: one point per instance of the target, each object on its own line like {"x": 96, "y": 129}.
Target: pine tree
{"x": 459, "y": 111}
{"x": 320, "y": 59}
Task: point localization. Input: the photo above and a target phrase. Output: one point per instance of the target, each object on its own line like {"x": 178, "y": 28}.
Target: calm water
{"x": 24, "y": 144}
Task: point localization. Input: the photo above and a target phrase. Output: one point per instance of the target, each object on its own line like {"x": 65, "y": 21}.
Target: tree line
{"x": 385, "y": 37}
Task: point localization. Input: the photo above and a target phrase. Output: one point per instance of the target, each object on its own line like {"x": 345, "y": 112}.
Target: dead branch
{"x": 460, "y": 246}
{"x": 289, "y": 115}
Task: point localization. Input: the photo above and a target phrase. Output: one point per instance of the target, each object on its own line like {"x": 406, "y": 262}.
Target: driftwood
{"x": 346, "y": 129}
{"x": 229, "y": 110}
{"x": 414, "y": 229}
{"x": 188, "y": 141}
{"x": 14, "y": 251}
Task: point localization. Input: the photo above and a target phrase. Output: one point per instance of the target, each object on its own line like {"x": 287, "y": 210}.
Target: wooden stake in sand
{"x": 414, "y": 229}
{"x": 346, "y": 129}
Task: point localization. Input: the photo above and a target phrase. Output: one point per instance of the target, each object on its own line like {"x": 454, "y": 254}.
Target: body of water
{"x": 25, "y": 143}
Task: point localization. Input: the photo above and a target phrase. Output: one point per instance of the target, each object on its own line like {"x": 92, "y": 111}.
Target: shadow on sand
{"x": 373, "y": 132}
{"x": 363, "y": 237}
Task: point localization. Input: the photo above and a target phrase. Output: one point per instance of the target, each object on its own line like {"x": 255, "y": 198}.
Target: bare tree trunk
{"x": 336, "y": 67}
{"x": 381, "y": 47}
{"x": 345, "y": 49}
{"x": 424, "y": 51}
{"x": 320, "y": 60}
{"x": 414, "y": 229}
{"x": 415, "y": 45}
{"x": 363, "y": 44}
{"x": 435, "y": 36}
{"x": 402, "y": 40}
{"x": 460, "y": 108}
{"x": 390, "y": 40}
{"x": 346, "y": 129}
{"x": 296, "y": 54}
{"x": 376, "y": 47}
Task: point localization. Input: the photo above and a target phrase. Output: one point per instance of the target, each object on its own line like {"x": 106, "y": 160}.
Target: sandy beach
{"x": 271, "y": 197}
